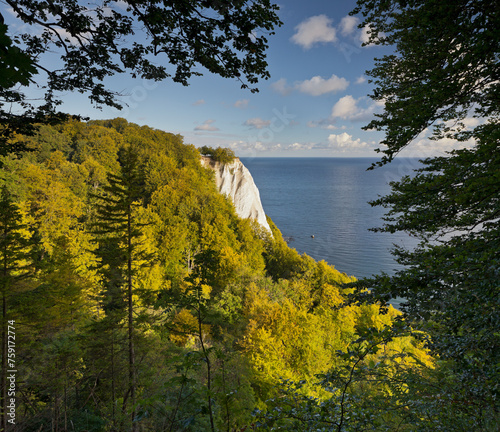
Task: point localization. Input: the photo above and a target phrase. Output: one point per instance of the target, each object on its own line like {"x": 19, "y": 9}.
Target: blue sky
{"x": 314, "y": 104}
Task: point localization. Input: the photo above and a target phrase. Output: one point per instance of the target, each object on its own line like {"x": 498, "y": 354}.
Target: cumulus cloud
{"x": 426, "y": 148}
{"x": 365, "y": 34}
{"x": 281, "y": 87}
{"x": 315, "y": 29}
{"x": 207, "y": 126}
{"x": 423, "y": 146}
{"x": 348, "y": 25}
{"x": 361, "y": 80}
{"x": 345, "y": 108}
{"x": 296, "y": 146}
{"x": 199, "y": 102}
{"x": 471, "y": 122}
{"x": 121, "y": 4}
{"x": 257, "y": 123}
{"x": 468, "y": 123}
{"x": 242, "y": 103}
{"x": 317, "y": 85}
{"x": 344, "y": 141}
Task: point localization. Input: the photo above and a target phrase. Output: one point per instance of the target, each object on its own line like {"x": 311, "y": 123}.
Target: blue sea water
{"x": 328, "y": 198}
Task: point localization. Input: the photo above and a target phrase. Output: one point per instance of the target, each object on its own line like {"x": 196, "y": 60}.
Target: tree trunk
{"x": 132, "y": 374}
{"x": 209, "y": 372}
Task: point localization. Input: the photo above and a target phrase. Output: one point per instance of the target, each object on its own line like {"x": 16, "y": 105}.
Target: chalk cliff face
{"x": 235, "y": 181}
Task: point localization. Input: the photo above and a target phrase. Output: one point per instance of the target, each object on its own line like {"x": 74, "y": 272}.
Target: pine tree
{"x": 121, "y": 254}
{"x": 14, "y": 254}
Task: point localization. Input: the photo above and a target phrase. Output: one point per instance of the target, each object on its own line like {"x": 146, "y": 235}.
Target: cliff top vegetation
{"x": 219, "y": 154}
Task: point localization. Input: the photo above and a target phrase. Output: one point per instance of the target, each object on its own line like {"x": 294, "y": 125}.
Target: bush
{"x": 222, "y": 155}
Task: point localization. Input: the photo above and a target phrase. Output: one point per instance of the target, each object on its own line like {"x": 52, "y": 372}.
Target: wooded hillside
{"x": 141, "y": 301}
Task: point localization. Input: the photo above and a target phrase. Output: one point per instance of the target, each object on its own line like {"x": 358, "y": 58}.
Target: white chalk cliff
{"x": 235, "y": 181}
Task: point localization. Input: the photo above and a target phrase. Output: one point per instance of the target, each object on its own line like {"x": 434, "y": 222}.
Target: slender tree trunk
{"x": 132, "y": 374}
{"x": 226, "y": 397}
{"x": 113, "y": 391}
{"x": 209, "y": 372}
{"x": 56, "y": 413}
{"x": 65, "y": 407}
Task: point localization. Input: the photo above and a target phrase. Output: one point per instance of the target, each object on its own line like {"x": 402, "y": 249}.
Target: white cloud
{"x": 471, "y": 122}
{"x": 423, "y": 146}
{"x": 259, "y": 146}
{"x": 199, "y": 102}
{"x": 317, "y": 85}
{"x": 364, "y": 36}
{"x": 299, "y": 146}
{"x": 281, "y": 87}
{"x": 361, "y": 80}
{"x": 348, "y": 25}
{"x": 66, "y": 36}
{"x": 345, "y": 108}
{"x": 207, "y": 126}
{"x": 314, "y": 30}
{"x": 323, "y": 124}
{"x": 121, "y": 4}
{"x": 257, "y": 123}
{"x": 242, "y": 103}
{"x": 344, "y": 141}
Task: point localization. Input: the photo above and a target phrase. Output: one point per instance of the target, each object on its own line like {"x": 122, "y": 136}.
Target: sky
{"x": 314, "y": 105}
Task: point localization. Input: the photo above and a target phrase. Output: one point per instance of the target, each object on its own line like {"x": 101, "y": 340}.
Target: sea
{"x": 321, "y": 206}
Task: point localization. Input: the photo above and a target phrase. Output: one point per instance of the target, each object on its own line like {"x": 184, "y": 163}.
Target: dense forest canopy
{"x": 142, "y": 302}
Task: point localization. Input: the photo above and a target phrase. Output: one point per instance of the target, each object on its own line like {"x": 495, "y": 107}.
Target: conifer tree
{"x": 120, "y": 253}
{"x": 13, "y": 252}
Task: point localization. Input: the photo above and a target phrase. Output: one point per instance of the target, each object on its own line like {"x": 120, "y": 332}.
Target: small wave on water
{"x": 321, "y": 207}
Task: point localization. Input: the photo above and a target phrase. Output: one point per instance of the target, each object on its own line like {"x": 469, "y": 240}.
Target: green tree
{"x": 222, "y": 155}
{"x": 122, "y": 254}
{"x": 16, "y": 69}
{"x": 98, "y": 41}
{"x": 445, "y": 78}
{"x": 14, "y": 257}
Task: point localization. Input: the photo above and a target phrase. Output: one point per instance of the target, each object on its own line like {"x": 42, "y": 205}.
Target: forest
{"x": 140, "y": 298}
{"x": 135, "y": 299}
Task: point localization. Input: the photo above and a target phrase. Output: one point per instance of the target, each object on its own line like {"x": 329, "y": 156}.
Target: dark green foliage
{"x": 445, "y": 76}
{"x": 439, "y": 72}
{"x": 95, "y": 42}
{"x": 14, "y": 244}
{"x": 222, "y": 155}
{"x": 14, "y": 258}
